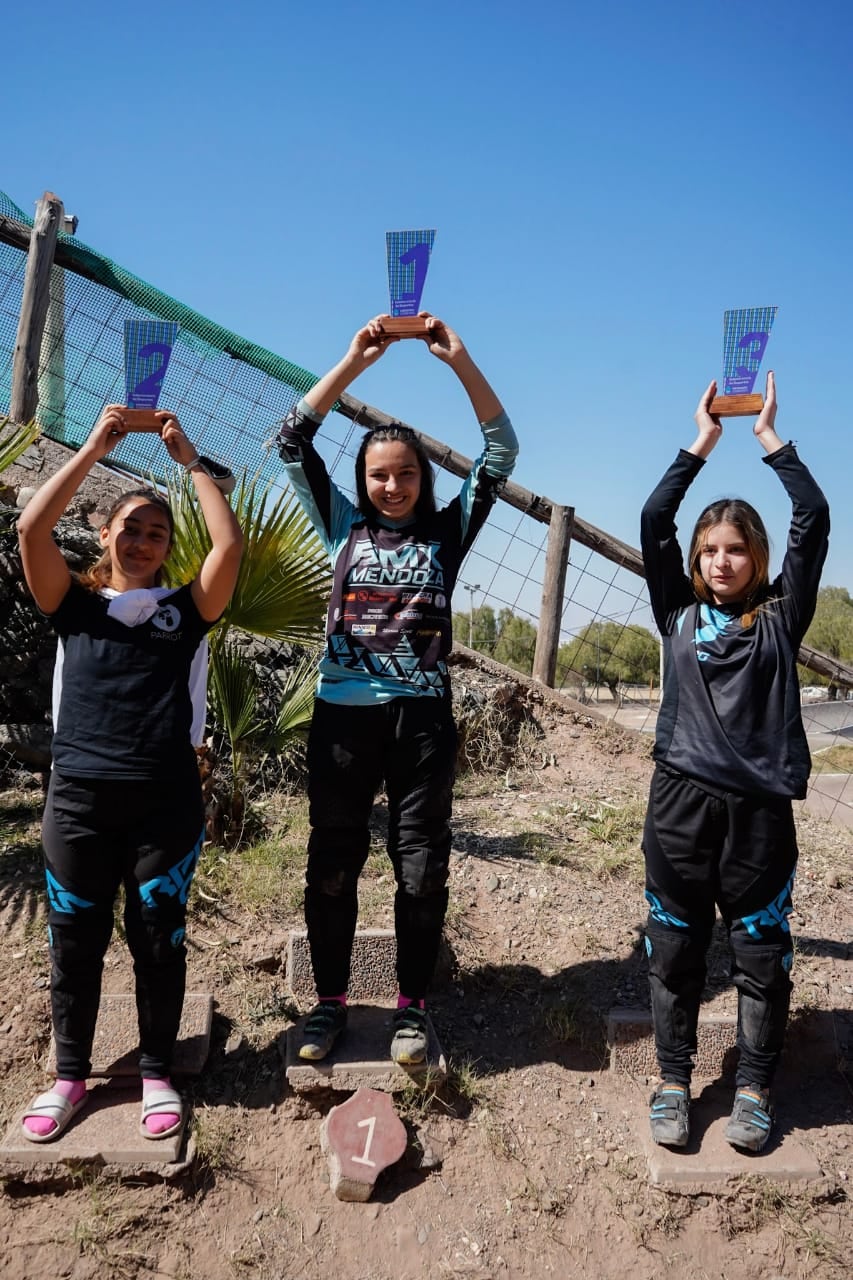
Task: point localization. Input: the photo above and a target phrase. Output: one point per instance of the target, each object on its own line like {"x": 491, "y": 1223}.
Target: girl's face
{"x": 725, "y": 563}
{"x": 138, "y": 539}
{"x": 392, "y": 476}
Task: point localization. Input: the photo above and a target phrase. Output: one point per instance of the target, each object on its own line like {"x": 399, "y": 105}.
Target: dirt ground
{"x": 528, "y": 1163}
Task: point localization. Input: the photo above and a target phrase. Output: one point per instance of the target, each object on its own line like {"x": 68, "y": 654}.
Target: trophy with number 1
{"x": 408, "y": 254}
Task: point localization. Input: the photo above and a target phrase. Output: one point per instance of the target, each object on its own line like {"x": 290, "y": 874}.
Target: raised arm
{"x": 365, "y": 349}
{"x": 808, "y": 537}
{"x": 217, "y": 577}
{"x": 47, "y": 574}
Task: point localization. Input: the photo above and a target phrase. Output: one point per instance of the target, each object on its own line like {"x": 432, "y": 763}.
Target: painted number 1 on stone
{"x": 369, "y": 1124}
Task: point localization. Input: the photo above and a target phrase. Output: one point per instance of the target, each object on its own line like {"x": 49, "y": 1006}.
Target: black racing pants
{"x": 703, "y": 847}
{"x": 97, "y": 835}
{"x": 410, "y": 743}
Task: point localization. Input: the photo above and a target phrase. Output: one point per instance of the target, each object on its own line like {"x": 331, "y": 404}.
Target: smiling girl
{"x": 124, "y": 802}
{"x": 382, "y": 711}
{"x": 731, "y": 754}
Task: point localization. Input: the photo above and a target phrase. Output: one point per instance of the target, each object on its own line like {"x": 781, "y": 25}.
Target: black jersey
{"x": 730, "y": 715}
{"x": 125, "y": 710}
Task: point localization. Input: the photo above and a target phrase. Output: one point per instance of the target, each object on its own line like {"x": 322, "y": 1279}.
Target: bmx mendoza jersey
{"x": 125, "y": 709}
{"x": 388, "y": 629}
{"x": 730, "y": 715}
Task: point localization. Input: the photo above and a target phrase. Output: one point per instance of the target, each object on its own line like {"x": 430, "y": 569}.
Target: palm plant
{"x": 14, "y": 439}
{"x": 280, "y": 594}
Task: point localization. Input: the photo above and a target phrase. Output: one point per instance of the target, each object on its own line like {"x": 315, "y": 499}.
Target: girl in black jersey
{"x": 731, "y": 755}
{"x": 382, "y": 711}
{"x": 124, "y": 802}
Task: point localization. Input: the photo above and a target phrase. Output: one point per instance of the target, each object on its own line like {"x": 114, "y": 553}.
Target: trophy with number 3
{"x": 745, "y": 336}
{"x": 407, "y": 253}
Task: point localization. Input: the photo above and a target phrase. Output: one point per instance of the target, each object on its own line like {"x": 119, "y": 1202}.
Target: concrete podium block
{"x": 373, "y": 969}
{"x": 360, "y": 1138}
{"x": 709, "y": 1161}
{"x": 104, "y": 1132}
{"x": 360, "y": 1057}
{"x": 631, "y": 1040}
{"x": 116, "y": 1045}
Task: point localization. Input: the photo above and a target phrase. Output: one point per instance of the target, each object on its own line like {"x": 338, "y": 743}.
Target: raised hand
{"x": 709, "y": 425}
{"x": 107, "y": 431}
{"x": 442, "y": 341}
{"x": 179, "y": 448}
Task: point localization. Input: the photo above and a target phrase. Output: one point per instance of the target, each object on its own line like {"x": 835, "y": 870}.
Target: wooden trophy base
{"x": 736, "y": 406}
{"x": 405, "y": 326}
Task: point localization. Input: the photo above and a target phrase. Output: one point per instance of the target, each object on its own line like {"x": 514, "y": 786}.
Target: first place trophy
{"x": 407, "y": 253}
{"x": 745, "y": 336}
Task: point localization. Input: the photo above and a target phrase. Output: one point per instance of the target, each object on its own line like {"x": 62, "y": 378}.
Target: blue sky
{"x": 605, "y": 181}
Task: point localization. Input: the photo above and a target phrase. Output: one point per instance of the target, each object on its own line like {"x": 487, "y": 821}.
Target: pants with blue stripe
{"x": 97, "y": 835}
{"x": 702, "y": 848}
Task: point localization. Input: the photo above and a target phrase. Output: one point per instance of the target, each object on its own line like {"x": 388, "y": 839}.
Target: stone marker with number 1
{"x": 360, "y": 1138}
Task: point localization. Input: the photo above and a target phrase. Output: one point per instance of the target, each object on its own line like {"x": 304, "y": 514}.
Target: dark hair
{"x": 751, "y": 528}
{"x": 425, "y": 504}
{"x": 101, "y": 572}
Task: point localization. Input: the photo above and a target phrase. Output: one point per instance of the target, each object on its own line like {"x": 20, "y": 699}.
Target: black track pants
{"x": 96, "y": 836}
{"x": 740, "y": 853}
{"x": 410, "y": 743}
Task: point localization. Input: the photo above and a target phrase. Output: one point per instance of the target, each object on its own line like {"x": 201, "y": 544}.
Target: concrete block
{"x": 709, "y": 1161}
{"x": 360, "y": 1138}
{"x": 632, "y": 1045}
{"x": 360, "y": 1057}
{"x": 373, "y": 970}
{"x": 116, "y": 1045}
{"x": 105, "y": 1132}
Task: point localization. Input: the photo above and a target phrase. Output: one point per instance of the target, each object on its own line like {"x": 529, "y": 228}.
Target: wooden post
{"x": 556, "y": 563}
{"x": 51, "y": 383}
{"x": 34, "y": 304}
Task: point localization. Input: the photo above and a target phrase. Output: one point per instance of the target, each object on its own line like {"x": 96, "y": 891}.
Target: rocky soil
{"x": 530, "y": 1162}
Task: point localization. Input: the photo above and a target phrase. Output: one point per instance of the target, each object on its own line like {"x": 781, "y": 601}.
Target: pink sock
{"x": 403, "y": 1002}
{"x": 73, "y": 1090}
{"x": 158, "y": 1121}
{"x": 333, "y": 999}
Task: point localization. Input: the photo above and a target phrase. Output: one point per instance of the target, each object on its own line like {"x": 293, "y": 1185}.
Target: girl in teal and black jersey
{"x": 383, "y": 708}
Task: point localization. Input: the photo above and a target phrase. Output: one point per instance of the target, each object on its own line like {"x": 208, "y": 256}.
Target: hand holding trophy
{"x": 407, "y": 254}
{"x": 745, "y": 336}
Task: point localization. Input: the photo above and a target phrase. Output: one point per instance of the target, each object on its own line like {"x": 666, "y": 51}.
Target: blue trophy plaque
{"x": 407, "y": 254}
{"x": 745, "y": 336}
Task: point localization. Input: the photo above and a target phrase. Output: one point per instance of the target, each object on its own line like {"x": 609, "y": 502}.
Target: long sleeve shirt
{"x": 730, "y": 714}
{"x": 388, "y": 627}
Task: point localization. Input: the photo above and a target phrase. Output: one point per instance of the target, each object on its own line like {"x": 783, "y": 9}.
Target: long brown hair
{"x": 751, "y": 528}
{"x": 100, "y": 573}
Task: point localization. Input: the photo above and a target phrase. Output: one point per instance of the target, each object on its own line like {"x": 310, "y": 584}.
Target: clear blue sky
{"x": 605, "y": 180}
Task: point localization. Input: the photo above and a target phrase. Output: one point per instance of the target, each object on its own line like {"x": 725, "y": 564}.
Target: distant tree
{"x": 516, "y": 641}
{"x": 610, "y": 654}
{"x": 831, "y": 631}
{"x": 484, "y": 629}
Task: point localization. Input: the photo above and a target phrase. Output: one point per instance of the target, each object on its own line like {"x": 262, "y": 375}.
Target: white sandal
{"x": 162, "y": 1102}
{"x": 51, "y": 1106}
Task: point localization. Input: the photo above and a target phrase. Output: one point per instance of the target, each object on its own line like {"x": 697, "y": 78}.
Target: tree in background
{"x": 611, "y": 654}
{"x": 478, "y": 630}
{"x": 831, "y": 631}
{"x": 516, "y": 642}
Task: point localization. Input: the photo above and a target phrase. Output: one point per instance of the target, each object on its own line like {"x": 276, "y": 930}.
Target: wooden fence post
{"x": 34, "y": 304}
{"x": 551, "y": 610}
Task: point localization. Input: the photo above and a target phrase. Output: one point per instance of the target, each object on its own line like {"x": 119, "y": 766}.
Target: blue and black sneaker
{"x": 751, "y": 1119}
{"x": 669, "y": 1114}
{"x": 326, "y": 1021}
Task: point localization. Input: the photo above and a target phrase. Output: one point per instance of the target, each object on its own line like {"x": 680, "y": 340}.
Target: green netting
{"x": 228, "y": 392}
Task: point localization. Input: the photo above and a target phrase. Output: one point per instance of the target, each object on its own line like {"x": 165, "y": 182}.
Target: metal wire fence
{"x": 229, "y": 394}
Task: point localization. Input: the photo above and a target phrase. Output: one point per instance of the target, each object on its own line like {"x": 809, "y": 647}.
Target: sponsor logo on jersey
{"x": 364, "y": 629}
{"x": 410, "y": 615}
{"x": 416, "y": 597}
{"x": 167, "y": 618}
{"x": 415, "y": 564}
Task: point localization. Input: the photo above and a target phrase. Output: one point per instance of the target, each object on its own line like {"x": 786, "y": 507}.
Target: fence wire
{"x": 230, "y": 393}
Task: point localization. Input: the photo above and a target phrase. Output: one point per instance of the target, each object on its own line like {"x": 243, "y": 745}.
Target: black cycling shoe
{"x": 669, "y": 1115}
{"x": 751, "y": 1119}
{"x": 326, "y": 1021}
